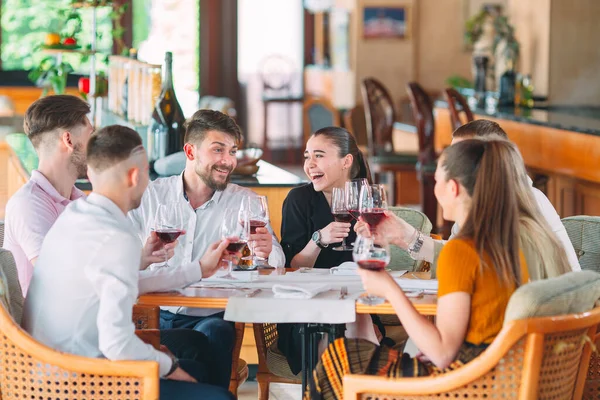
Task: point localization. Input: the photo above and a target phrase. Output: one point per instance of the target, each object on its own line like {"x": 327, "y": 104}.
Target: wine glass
{"x": 373, "y": 203}
{"x": 372, "y": 257}
{"x": 258, "y": 214}
{"x": 340, "y": 213}
{"x": 235, "y": 228}
{"x": 352, "y": 191}
{"x": 168, "y": 224}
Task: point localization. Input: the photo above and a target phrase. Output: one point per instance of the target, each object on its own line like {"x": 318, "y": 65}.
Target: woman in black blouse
{"x": 308, "y": 230}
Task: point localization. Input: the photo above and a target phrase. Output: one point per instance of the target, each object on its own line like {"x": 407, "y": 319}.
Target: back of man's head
{"x": 204, "y": 121}
{"x": 112, "y": 145}
{"x": 46, "y": 117}
{"x": 480, "y": 129}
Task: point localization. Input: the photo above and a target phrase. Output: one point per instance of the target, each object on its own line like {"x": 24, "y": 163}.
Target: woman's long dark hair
{"x": 346, "y": 144}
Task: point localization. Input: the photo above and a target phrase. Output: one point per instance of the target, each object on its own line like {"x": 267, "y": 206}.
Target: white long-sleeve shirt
{"x": 203, "y": 227}
{"x": 85, "y": 283}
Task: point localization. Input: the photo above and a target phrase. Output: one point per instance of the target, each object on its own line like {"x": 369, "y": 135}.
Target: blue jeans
{"x": 221, "y": 339}
{"x": 191, "y": 391}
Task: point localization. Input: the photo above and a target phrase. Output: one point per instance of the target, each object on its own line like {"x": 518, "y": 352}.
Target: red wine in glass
{"x": 256, "y": 223}
{"x": 343, "y": 217}
{"x": 235, "y": 247}
{"x": 168, "y": 235}
{"x": 373, "y": 265}
{"x": 355, "y": 214}
{"x": 374, "y": 216}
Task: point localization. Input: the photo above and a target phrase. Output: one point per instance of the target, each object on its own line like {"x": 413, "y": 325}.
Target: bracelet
{"x": 415, "y": 247}
{"x": 174, "y": 366}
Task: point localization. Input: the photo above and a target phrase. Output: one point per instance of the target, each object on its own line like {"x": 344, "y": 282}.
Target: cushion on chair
{"x": 571, "y": 293}
{"x": 584, "y": 232}
{"x": 400, "y": 258}
{"x": 12, "y": 287}
{"x": 278, "y": 365}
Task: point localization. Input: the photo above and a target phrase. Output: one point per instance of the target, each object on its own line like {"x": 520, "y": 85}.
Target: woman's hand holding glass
{"x": 335, "y": 232}
{"x": 391, "y": 229}
{"x": 372, "y": 259}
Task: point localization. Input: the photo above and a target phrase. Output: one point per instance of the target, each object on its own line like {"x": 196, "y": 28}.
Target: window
{"x": 25, "y": 23}
{"x": 166, "y": 25}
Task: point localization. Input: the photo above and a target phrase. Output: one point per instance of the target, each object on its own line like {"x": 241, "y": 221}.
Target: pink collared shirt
{"x": 30, "y": 213}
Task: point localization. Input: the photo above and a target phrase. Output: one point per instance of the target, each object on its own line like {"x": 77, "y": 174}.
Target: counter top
{"x": 570, "y": 118}
{"x": 268, "y": 174}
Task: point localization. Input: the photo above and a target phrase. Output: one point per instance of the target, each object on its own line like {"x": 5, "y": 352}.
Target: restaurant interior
{"x": 401, "y": 76}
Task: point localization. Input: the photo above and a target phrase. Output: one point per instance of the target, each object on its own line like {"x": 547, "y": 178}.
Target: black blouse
{"x": 304, "y": 212}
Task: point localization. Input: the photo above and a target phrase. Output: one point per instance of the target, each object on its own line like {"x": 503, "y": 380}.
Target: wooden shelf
{"x": 90, "y": 4}
{"x": 72, "y": 51}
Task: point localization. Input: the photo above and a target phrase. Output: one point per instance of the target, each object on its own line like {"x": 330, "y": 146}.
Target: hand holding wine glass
{"x": 168, "y": 224}
{"x": 258, "y": 215}
{"x": 340, "y": 213}
{"x": 236, "y": 230}
{"x": 373, "y": 203}
{"x": 370, "y": 257}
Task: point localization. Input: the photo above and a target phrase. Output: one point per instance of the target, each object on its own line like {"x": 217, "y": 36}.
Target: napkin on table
{"x": 307, "y": 291}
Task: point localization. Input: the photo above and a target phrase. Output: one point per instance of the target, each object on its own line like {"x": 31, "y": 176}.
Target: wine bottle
{"x": 165, "y": 132}
{"x": 506, "y": 96}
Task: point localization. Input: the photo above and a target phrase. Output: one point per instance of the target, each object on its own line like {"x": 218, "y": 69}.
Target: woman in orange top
{"x": 477, "y": 271}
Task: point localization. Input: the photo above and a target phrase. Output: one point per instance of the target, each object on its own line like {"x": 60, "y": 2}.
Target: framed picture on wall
{"x": 385, "y": 22}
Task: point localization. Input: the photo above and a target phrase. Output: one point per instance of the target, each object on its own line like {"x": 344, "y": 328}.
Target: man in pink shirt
{"x": 59, "y": 130}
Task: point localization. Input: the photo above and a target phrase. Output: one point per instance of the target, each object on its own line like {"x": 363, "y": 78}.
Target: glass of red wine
{"x": 235, "y": 228}
{"x": 373, "y": 203}
{"x": 352, "y": 192}
{"x": 168, "y": 224}
{"x": 340, "y": 213}
{"x": 372, "y": 257}
{"x": 258, "y": 214}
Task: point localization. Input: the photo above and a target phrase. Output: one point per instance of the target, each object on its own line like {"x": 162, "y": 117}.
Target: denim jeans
{"x": 220, "y": 335}
{"x": 170, "y": 389}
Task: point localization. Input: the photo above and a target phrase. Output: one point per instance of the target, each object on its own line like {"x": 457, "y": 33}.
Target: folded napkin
{"x": 345, "y": 268}
{"x": 418, "y": 284}
{"x": 240, "y": 276}
{"x": 298, "y": 291}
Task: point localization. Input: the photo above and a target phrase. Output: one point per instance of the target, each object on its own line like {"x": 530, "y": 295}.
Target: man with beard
{"x": 204, "y": 194}
{"x": 94, "y": 285}
{"x": 59, "y": 131}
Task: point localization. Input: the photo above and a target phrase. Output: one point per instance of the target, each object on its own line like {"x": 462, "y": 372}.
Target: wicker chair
{"x": 584, "y": 231}
{"x": 31, "y": 370}
{"x": 534, "y": 357}
{"x": 272, "y": 365}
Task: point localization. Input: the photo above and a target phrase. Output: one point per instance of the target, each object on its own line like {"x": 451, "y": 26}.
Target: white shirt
{"x": 203, "y": 225}
{"x": 85, "y": 283}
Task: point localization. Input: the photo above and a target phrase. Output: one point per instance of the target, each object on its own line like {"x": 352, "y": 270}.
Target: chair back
{"x": 584, "y": 233}
{"x": 379, "y": 115}
{"x": 457, "y": 105}
{"x": 30, "y": 369}
{"x": 423, "y": 114}
{"x": 318, "y": 113}
{"x": 399, "y": 259}
{"x": 12, "y": 288}
{"x": 2, "y": 233}
{"x": 542, "y": 351}
{"x": 354, "y": 121}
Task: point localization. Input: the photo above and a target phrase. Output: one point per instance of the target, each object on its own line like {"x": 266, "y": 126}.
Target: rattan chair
{"x": 31, "y": 370}
{"x": 544, "y": 357}
{"x": 272, "y": 365}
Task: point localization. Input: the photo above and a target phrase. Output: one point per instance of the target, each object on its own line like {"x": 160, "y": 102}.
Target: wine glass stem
{"x": 229, "y": 267}
{"x": 166, "y": 257}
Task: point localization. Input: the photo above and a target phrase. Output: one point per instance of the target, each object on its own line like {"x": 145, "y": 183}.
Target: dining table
{"x": 253, "y": 300}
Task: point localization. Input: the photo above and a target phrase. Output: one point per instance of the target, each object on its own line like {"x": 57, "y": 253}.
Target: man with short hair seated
{"x": 85, "y": 282}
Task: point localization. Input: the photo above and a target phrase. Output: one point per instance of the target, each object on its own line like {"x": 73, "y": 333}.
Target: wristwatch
{"x": 316, "y": 237}
{"x": 415, "y": 247}
{"x": 174, "y": 365}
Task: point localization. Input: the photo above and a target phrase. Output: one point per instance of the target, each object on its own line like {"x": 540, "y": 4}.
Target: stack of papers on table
{"x": 418, "y": 284}
{"x": 239, "y": 276}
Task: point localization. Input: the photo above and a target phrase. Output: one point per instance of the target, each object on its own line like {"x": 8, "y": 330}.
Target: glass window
{"x": 166, "y": 25}
{"x": 25, "y": 24}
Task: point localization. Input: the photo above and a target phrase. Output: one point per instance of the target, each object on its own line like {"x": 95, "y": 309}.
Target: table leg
{"x": 311, "y": 334}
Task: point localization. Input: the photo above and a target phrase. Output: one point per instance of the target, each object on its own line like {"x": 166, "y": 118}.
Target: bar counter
{"x": 560, "y": 146}
{"x": 270, "y": 180}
